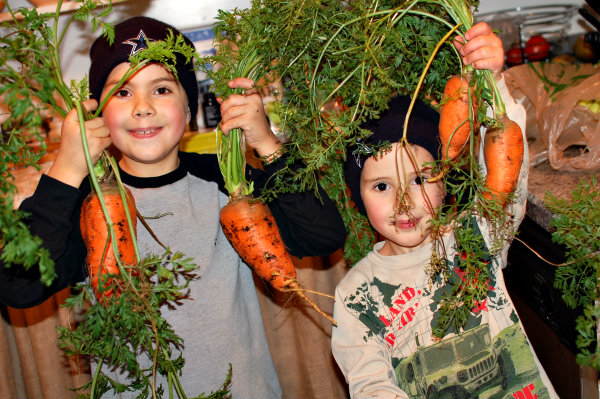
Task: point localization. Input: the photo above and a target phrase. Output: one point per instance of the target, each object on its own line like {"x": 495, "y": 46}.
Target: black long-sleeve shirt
{"x": 309, "y": 226}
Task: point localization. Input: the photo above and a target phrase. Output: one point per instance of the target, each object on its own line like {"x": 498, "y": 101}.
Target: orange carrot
{"x": 503, "y": 152}
{"x": 454, "y": 126}
{"x": 252, "y": 231}
{"x": 101, "y": 260}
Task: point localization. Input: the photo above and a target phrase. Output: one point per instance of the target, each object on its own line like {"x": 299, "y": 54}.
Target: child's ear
{"x": 188, "y": 114}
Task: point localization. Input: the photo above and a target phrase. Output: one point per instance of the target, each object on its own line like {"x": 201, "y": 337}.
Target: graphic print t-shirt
{"x": 386, "y": 305}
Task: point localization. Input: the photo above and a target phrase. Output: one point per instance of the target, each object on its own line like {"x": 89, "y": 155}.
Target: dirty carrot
{"x": 101, "y": 261}
{"x": 503, "y": 152}
{"x": 252, "y": 231}
{"x": 455, "y": 116}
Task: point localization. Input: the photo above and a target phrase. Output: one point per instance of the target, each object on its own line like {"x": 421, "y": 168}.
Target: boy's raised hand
{"x": 246, "y": 111}
{"x": 70, "y": 165}
{"x": 483, "y": 49}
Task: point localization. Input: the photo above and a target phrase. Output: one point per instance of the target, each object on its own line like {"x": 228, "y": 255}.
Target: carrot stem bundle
{"x": 248, "y": 223}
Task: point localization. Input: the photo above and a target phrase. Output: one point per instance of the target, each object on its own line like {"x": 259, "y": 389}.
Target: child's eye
{"x": 163, "y": 90}
{"x": 419, "y": 180}
{"x": 381, "y": 186}
{"x": 121, "y": 93}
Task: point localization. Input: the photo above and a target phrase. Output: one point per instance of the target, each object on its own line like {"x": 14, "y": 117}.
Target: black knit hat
{"x": 422, "y": 131}
{"x": 131, "y": 36}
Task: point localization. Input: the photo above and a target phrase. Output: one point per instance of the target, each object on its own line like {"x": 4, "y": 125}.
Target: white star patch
{"x": 138, "y": 43}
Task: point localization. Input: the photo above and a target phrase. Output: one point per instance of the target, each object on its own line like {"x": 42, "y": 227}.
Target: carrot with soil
{"x": 101, "y": 260}
{"x": 455, "y": 116}
{"x": 503, "y": 148}
{"x": 252, "y": 231}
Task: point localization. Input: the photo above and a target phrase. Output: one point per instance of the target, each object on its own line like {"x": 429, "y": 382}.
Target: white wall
{"x": 183, "y": 14}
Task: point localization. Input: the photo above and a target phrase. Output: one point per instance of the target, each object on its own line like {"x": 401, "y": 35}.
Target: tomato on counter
{"x": 514, "y": 56}
{"x": 537, "y": 48}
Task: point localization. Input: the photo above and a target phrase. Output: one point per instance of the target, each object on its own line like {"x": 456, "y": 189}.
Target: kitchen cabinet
{"x": 549, "y": 323}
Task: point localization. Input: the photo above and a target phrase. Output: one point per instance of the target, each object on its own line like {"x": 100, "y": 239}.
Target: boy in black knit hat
{"x": 386, "y": 305}
{"x": 145, "y": 120}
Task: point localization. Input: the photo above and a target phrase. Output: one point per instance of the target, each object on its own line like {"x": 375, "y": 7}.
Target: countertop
{"x": 544, "y": 179}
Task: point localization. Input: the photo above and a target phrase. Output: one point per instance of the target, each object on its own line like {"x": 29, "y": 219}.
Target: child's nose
{"x": 403, "y": 200}
{"x": 143, "y": 108}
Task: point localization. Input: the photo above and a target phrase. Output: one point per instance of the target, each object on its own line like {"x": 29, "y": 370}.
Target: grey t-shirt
{"x": 222, "y": 323}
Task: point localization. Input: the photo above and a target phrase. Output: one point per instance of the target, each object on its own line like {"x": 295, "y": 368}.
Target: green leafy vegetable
{"x": 577, "y": 224}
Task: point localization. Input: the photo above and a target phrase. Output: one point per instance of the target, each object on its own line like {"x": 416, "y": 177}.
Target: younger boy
{"x": 145, "y": 120}
{"x": 385, "y": 306}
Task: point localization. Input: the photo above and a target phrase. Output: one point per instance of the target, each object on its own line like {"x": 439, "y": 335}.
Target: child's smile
{"x": 145, "y": 132}
{"x": 406, "y": 224}
{"x": 400, "y": 203}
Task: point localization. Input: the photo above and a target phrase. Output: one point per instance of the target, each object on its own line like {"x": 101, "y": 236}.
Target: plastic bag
{"x": 550, "y": 93}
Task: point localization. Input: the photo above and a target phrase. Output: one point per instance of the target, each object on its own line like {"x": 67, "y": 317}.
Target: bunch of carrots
{"x": 503, "y": 145}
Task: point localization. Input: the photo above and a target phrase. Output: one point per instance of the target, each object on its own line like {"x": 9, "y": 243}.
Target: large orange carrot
{"x": 503, "y": 152}
{"x": 101, "y": 260}
{"x": 252, "y": 231}
{"x": 455, "y": 126}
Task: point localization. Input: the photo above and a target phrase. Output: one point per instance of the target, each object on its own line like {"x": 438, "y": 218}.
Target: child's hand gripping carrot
{"x": 249, "y": 225}
{"x": 71, "y": 168}
{"x": 246, "y": 111}
{"x": 483, "y": 49}
{"x": 70, "y": 165}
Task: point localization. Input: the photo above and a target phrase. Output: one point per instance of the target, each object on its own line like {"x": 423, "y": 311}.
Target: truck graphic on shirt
{"x": 458, "y": 367}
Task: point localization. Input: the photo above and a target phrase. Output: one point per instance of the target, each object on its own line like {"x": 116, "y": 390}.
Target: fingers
{"x": 96, "y": 128}
{"x": 482, "y": 50}
{"x": 480, "y": 29}
{"x": 240, "y": 110}
{"x": 90, "y": 105}
{"x": 243, "y": 83}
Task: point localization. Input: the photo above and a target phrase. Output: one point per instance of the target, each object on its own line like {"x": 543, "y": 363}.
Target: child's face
{"x": 146, "y": 117}
{"x": 399, "y": 202}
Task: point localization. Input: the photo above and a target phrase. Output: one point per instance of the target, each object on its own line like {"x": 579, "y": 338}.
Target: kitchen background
{"x": 194, "y": 17}
{"x": 307, "y": 370}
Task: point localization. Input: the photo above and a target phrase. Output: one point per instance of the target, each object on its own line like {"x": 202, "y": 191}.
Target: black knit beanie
{"x": 422, "y": 131}
{"x": 131, "y": 36}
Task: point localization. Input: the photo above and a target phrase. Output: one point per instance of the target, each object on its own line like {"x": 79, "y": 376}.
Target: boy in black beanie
{"x": 386, "y": 305}
{"x": 145, "y": 120}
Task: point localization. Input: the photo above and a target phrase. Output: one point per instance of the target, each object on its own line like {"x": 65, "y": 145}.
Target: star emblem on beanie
{"x": 138, "y": 43}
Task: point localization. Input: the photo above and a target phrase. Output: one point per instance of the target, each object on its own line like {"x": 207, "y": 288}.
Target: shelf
{"x": 67, "y": 6}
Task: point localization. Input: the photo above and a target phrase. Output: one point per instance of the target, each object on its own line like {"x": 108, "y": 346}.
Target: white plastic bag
{"x": 550, "y": 92}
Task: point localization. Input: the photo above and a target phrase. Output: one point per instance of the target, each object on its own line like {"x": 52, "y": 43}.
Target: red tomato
{"x": 537, "y": 48}
{"x": 514, "y": 56}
